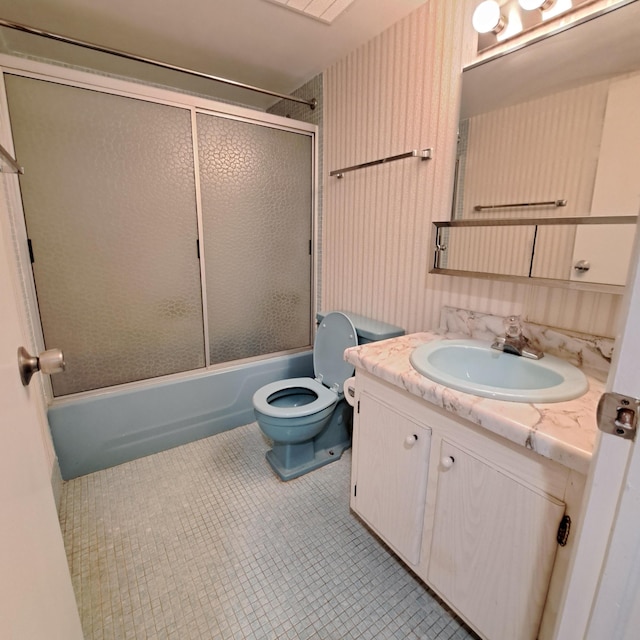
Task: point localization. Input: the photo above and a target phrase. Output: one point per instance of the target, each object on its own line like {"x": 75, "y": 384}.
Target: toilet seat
{"x": 335, "y": 334}
{"x": 325, "y": 398}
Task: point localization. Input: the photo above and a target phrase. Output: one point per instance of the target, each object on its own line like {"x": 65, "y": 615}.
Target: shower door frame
{"x": 164, "y": 96}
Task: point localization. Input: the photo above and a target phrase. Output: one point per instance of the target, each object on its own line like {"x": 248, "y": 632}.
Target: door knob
{"x": 50, "y": 361}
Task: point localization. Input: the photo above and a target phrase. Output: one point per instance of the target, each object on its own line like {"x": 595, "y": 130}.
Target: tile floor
{"x": 204, "y": 542}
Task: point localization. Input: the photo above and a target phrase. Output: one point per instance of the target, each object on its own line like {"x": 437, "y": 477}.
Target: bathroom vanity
{"x": 473, "y": 494}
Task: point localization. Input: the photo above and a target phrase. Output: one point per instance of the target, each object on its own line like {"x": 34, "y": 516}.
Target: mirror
{"x": 551, "y": 130}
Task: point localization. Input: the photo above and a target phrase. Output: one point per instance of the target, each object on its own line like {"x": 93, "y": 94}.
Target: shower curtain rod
{"x": 165, "y": 65}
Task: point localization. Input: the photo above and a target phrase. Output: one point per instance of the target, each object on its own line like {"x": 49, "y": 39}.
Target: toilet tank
{"x": 368, "y": 329}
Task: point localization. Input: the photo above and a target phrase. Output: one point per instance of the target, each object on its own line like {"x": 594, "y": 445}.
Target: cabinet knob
{"x": 447, "y": 462}
{"x": 582, "y": 266}
{"x": 409, "y": 441}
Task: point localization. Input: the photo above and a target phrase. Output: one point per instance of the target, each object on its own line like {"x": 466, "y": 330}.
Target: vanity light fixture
{"x": 532, "y": 5}
{"x": 498, "y": 21}
{"x": 558, "y": 7}
{"x": 488, "y": 18}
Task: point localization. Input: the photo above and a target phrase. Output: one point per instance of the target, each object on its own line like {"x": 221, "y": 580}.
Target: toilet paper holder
{"x": 50, "y": 361}
{"x": 349, "y": 390}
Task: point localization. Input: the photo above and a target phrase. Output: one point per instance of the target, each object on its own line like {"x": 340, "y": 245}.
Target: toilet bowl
{"x": 308, "y": 419}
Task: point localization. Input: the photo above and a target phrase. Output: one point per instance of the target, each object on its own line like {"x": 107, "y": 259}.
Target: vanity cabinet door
{"x": 389, "y": 482}
{"x": 493, "y": 547}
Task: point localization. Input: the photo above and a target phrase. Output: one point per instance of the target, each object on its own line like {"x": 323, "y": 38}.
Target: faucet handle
{"x": 513, "y": 327}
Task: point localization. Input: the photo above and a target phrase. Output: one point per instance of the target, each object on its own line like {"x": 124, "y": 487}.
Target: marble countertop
{"x": 561, "y": 431}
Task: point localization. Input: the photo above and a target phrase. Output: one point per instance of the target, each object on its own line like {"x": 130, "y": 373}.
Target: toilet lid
{"x": 335, "y": 334}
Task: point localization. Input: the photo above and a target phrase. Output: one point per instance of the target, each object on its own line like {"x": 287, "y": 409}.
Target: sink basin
{"x": 474, "y": 367}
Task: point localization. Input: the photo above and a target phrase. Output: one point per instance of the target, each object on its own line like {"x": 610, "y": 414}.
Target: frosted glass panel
{"x": 256, "y": 201}
{"x": 109, "y": 199}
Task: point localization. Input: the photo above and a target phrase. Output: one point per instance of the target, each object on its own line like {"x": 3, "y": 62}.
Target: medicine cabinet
{"x": 546, "y": 151}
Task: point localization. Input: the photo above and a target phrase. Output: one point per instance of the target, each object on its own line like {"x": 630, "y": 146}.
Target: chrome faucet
{"x": 514, "y": 342}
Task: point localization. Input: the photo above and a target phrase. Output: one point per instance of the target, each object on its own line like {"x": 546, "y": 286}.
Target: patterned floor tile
{"x": 204, "y": 542}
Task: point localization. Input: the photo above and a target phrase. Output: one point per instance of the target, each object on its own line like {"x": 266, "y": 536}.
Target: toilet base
{"x": 317, "y": 460}
{"x": 291, "y": 461}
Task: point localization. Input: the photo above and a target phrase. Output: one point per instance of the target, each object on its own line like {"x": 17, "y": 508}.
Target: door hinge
{"x": 564, "y": 529}
{"x": 618, "y": 415}
{"x": 198, "y": 247}
{"x": 358, "y": 408}
{"x": 355, "y": 490}
{"x": 30, "y": 247}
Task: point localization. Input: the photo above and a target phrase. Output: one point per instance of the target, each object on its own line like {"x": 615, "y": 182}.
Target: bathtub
{"x": 101, "y": 429}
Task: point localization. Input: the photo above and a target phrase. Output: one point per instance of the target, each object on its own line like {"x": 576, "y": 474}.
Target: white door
{"x": 603, "y": 596}
{"x": 36, "y": 595}
{"x": 616, "y": 610}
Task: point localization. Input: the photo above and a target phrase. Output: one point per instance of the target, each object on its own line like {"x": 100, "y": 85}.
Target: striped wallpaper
{"x": 398, "y": 92}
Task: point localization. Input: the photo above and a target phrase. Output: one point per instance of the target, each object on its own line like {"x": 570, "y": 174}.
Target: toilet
{"x": 308, "y": 419}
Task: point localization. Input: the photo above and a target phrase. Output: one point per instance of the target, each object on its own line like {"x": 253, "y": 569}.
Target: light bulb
{"x": 487, "y": 17}
{"x": 532, "y": 5}
{"x": 556, "y": 8}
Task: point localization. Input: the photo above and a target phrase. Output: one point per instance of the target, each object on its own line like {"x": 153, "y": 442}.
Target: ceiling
{"x": 255, "y": 42}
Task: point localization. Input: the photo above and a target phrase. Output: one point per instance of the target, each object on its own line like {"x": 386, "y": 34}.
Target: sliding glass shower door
{"x": 256, "y": 213}
{"x": 146, "y": 250}
{"x": 109, "y": 201}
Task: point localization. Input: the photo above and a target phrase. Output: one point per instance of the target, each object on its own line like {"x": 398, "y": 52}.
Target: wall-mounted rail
{"x": 312, "y": 103}
{"x": 546, "y": 203}
{"x": 11, "y": 161}
{"x": 521, "y": 222}
{"x": 423, "y": 154}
